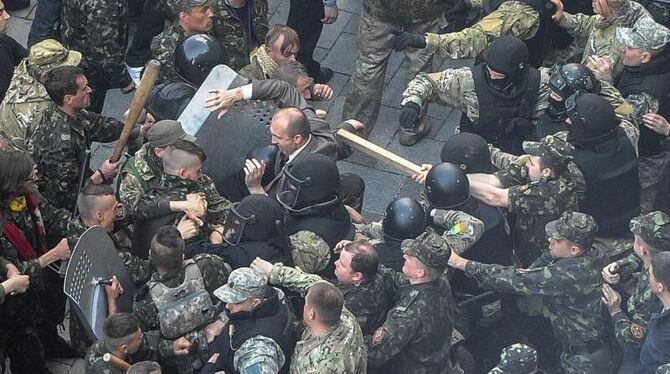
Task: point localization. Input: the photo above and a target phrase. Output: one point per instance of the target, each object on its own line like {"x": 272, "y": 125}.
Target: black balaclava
{"x": 506, "y": 55}
{"x": 267, "y": 213}
{"x": 591, "y": 117}
{"x": 469, "y": 152}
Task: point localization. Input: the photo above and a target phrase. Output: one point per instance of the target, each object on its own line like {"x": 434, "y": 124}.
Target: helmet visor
{"x": 288, "y": 192}
{"x": 235, "y": 224}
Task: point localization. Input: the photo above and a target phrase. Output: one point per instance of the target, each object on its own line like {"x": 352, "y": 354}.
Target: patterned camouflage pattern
{"x": 406, "y": 12}
{"x": 535, "y": 204}
{"x": 456, "y": 88}
{"x": 309, "y": 251}
{"x": 597, "y": 35}
{"x": 233, "y": 36}
{"x": 663, "y": 369}
{"x": 214, "y": 275}
{"x": 259, "y": 354}
{"x": 60, "y": 142}
{"x": 630, "y": 324}
{"x": 163, "y": 47}
{"x": 653, "y": 228}
{"x": 551, "y": 147}
{"x": 659, "y": 10}
{"x": 243, "y": 283}
{"x": 573, "y": 226}
{"x": 518, "y": 359}
{"x": 26, "y": 96}
{"x": 645, "y": 34}
{"x": 570, "y": 289}
{"x": 151, "y": 348}
{"x": 98, "y": 29}
{"x": 339, "y": 350}
{"x": 138, "y": 175}
{"x": 374, "y": 42}
{"x": 511, "y": 18}
{"x": 431, "y": 249}
{"x": 654, "y": 172}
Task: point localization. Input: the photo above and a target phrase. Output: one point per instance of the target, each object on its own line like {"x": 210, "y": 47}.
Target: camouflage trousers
{"x": 654, "y": 174}
{"x": 374, "y": 50}
{"x": 660, "y": 11}
{"x": 599, "y": 361}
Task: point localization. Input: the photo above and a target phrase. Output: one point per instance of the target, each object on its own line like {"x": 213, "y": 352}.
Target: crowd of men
{"x": 539, "y": 244}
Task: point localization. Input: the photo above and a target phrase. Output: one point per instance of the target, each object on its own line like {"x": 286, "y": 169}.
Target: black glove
{"x": 403, "y": 40}
{"x": 409, "y": 115}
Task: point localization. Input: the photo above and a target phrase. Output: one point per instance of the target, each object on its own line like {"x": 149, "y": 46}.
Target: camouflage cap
{"x": 166, "y": 132}
{"x": 49, "y": 54}
{"x": 663, "y": 369}
{"x": 645, "y": 34}
{"x": 518, "y": 359}
{"x": 552, "y": 147}
{"x": 429, "y": 248}
{"x": 576, "y": 227}
{"x": 653, "y": 228}
{"x": 243, "y": 283}
{"x": 177, "y": 6}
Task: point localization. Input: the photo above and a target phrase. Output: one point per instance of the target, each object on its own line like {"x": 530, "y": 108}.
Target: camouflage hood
{"x": 24, "y": 88}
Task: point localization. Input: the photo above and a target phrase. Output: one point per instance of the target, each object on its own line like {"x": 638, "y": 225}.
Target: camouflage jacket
{"x": 139, "y": 174}
{"x": 371, "y": 299}
{"x": 151, "y": 348}
{"x": 310, "y": 252}
{"x": 55, "y": 224}
{"x": 511, "y": 18}
{"x": 570, "y": 288}
{"x": 338, "y": 350}
{"x": 163, "y": 47}
{"x": 600, "y": 33}
{"x": 25, "y": 97}
{"x": 60, "y": 142}
{"x": 456, "y": 88}
{"x": 97, "y": 28}
{"x": 234, "y": 35}
{"x": 404, "y": 11}
{"x": 416, "y": 336}
{"x": 630, "y": 324}
{"x": 214, "y": 274}
{"x": 139, "y": 269}
{"x": 262, "y": 66}
{"x": 535, "y": 204}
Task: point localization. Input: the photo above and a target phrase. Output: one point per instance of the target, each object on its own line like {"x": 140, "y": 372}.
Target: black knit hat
{"x": 506, "y": 55}
{"x": 469, "y": 152}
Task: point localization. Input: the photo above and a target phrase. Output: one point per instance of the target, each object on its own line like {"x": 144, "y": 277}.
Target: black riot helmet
{"x": 268, "y": 155}
{"x": 308, "y": 183}
{"x": 255, "y": 218}
{"x": 196, "y": 56}
{"x": 404, "y": 219}
{"x": 565, "y": 81}
{"x": 447, "y": 186}
{"x": 167, "y": 101}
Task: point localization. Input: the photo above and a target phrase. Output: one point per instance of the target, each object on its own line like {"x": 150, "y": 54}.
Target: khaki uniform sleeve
{"x": 461, "y": 229}
{"x": 293, "y": 279}
{"x": 310, "y": 252}
{"x": 452, "y": 87}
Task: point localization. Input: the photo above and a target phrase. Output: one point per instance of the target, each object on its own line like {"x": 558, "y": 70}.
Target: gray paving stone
{"x": 380, "y": 186}
{"x": 273, "y": 5}
{"x": 320, "y": 53}
{"x": 353, "y": 6}
{"x": 410, "y": 189}
{"x": 352, "y": 27}
{"x": 393, "y": 92}
{"x": 386, "y": 126}
{"x": 335, "y": 112}
{"x": 342, "y": 56}
{"x": 426, "y": 151}
{"x": 18, "y": 29}
{"x": 331, "y": 32}
{"x": 280, "y": 15}
{"x": 451, "y": 123}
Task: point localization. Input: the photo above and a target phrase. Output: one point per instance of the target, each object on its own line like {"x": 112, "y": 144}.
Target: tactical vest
{"x": 497, "y": 109}
{"x": 332, "y": 228}
{"x": 184, "y": 308}
{"x": 271, "y": 319}
{"x": 549, "y": 126}
{"x": 494, "y": 247}
{"x": 652, "y": 78}
{"x": 610, "y": 170}
{"x": 390, "y": 254}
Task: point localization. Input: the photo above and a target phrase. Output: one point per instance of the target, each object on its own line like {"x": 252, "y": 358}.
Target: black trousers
{"x": 305, "y": 18}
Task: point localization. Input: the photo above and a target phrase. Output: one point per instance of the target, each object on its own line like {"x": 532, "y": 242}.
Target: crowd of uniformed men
{"x": 540, "y": 243}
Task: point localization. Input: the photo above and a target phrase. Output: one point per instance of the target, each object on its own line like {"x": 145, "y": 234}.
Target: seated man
{"x": 124, "y": 339}
{"x": 182, "y": 176}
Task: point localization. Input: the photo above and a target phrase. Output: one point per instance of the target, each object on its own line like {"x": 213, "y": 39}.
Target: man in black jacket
{"x": 11, "y": 53}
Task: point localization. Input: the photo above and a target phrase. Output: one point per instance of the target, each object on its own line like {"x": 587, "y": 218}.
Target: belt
{"x": 582, "y": 349}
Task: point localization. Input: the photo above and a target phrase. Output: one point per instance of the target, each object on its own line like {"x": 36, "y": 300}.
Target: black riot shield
{"x": 227, "y": 141}
{"x": 94, "y": 260}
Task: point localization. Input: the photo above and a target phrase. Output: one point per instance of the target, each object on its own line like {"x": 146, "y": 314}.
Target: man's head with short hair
{"x": 97, "y": 205}
{"x": 425, "y": 257}
{"x": 323, "y": 305}
{"x": 194, "y": 16}
{"x": 659, "y": 274}
{"x": 358, "y": 261}
{"x": 184, "y": 159}
{"x": 652, "y": 235}
{"x": 295, "y": 73}
{"x": 122, "y": 333}
{"x": 244, "y": 291}
{"x": 144, "y": 367}
{"x": 640, "y": 43}
{"x": 282, "y": 43}
{"x": 290, "y": 129}
{"x": 571, "y": 235}
{"x": 68, "y": 87}
{"x": 167, "y": 249}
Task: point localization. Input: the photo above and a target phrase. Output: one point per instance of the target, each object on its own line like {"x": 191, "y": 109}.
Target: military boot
{"x": 409, "y": 137}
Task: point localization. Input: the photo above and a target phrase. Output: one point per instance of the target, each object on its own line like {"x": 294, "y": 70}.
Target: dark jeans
{"x": 146, "y": 21}
{"x": 46, "y": 23}
{"x": 304, "y": 17}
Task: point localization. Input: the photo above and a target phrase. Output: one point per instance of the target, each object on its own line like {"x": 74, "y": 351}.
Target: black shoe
{"x": 59, "y": 348}
{"x": 324, "y": 75}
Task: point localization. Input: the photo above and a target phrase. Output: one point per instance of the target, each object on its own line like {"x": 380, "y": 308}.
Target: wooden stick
{"x": 146, "y": 84}
{"x": 381, "y": 154}
{"x": 115, "y": 361}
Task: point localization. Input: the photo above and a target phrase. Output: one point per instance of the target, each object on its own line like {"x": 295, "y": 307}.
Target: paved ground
{"x": 337, "y": 50}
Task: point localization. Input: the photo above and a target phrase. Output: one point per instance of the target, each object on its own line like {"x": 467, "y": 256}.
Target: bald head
{"x": 290, "y": 129}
